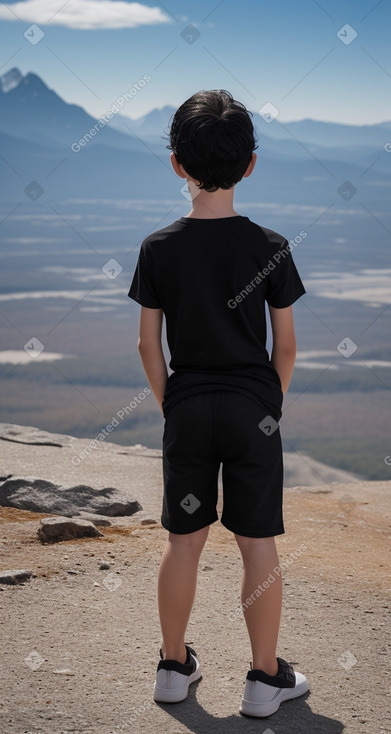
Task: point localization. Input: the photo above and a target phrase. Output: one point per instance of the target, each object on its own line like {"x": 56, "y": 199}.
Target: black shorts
{"x": 206, "y": 429}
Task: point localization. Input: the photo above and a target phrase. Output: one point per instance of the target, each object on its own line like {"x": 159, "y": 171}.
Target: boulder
{"x": 15, "y": 577}
{"x": 55, "y": 529}
{"x": 40, "y": 495}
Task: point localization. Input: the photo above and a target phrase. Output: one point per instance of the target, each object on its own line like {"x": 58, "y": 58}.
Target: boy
{"x": 211, "y": 273}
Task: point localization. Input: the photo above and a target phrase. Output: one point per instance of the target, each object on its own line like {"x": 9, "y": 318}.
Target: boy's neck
{"x": 213, "y": 205}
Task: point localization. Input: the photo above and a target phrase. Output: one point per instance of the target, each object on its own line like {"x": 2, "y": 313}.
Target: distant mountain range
{"x": 310, "y": 132}
{"x": 44, "y": 138}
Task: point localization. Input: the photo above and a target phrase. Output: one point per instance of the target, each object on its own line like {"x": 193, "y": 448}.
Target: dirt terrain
{"x": 80, "y": 645}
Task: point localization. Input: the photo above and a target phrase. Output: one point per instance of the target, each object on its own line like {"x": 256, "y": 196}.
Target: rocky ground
{"x": 79, "y": 643}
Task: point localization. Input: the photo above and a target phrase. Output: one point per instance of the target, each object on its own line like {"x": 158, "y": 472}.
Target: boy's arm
{"x": 150, "y": 347}
{"x": 283, "y": 354}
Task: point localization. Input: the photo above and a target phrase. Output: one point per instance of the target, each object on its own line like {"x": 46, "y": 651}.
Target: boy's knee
{"x": 246, "y": 543}
{"x": 195, "y": 541}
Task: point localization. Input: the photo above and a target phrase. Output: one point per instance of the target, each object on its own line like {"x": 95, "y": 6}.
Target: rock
{"x": 32, "y": 435}
{"x": 104, "y": 566}
{"x": 148, "y": 521}
{"x": 54, "y": 529}
{"x": 15, "y": 577}
{"x": 39, "y": 495}
{"x": 96, "y": 519}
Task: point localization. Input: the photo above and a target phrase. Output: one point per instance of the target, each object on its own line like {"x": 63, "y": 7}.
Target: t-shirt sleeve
{"x": 143, "y": 287}
{"x": 284, "y": 285}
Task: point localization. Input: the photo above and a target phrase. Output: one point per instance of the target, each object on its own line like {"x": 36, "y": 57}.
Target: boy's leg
{"x": 177, "y": 582}
{"x": 263, "y": 614}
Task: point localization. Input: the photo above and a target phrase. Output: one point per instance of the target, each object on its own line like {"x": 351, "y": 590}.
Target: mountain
{"x": 10, "y": 80}
{"x": 310, "y": 132}
{"x": 152, "y": 125}
{"x": 32, "y": 111}
{"x": 99, "y": 171}
{"x": 326, "y": 134}
{"x": 51, "y": 121}
{"x": 288, "y": 140}
{"x": 298, "y": 162}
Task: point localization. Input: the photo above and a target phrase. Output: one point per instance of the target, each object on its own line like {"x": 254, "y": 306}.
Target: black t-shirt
{"x": 211, "y": 278}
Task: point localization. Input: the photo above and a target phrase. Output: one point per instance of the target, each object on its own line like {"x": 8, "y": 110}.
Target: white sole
{"x": 165, "y": 695}
{"x": 250, "y": 708}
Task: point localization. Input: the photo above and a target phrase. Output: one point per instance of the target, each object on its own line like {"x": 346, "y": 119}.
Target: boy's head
{"x": 212, "y": 136}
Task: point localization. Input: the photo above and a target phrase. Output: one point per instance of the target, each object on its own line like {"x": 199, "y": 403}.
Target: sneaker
{"x": 263, "y": 693}
{"x": 173, "y": 679}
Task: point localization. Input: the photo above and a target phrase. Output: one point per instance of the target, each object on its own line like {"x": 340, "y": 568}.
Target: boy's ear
{"x": 250, "y": 166}
{"x": 178, "y": 168}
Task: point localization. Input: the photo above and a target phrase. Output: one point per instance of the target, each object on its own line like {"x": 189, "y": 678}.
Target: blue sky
{"x": 286, "y": 52}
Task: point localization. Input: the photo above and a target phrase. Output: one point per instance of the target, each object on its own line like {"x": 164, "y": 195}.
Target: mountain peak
{"x": 34, "y": 80}
{"x": 13, "y": 78}
{"x": 10, "y": 80}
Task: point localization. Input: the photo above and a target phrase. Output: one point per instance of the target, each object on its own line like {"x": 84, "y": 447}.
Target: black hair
{"x": 213, "y": 137}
